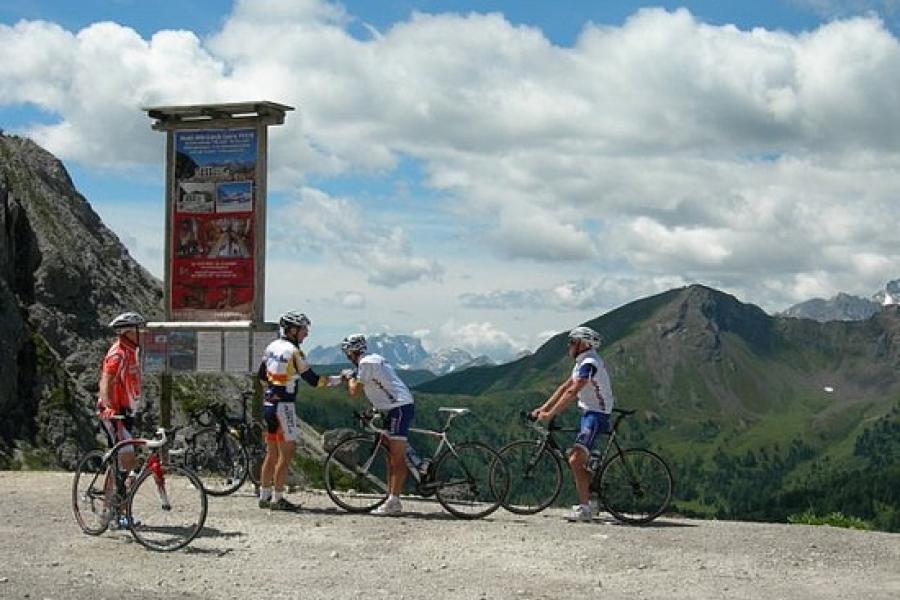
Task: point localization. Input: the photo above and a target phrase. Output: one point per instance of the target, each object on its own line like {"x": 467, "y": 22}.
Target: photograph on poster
{"x": 230, "y": 238}
{"x": 215, "y": 155}
{"x": 234, "y": 196}
{"x": 182, "y": 350}
{"x": 196, "y": 197}
{"x": 153, "y": 351}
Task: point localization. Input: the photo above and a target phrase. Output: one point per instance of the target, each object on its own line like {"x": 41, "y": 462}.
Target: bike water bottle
{"x": 413, "y": 461}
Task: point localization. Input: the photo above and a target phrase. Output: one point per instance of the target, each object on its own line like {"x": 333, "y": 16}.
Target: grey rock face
{"x": 63, "y": 276}
{"x": 842, "y": 307}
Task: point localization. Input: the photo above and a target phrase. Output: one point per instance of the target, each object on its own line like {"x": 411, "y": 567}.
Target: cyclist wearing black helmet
{"x": 283, "y": 363}
{"x": 589, "y": 383}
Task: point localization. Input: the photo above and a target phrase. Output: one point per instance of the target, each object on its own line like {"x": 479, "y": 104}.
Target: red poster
{"x": 213, "y": 223}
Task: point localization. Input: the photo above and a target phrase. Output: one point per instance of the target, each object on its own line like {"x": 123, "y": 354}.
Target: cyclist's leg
{"x": 272, "y": 436}
{"x": 287, "y": 445}
{"x": 592, "y": 423}
{"x": 399, "y": 421}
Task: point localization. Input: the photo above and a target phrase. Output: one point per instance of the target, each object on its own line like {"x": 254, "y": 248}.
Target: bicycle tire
{"x": 535, "y": 477}
{"x": 256, "y": 451}
{"x": 221, "y": 463}
{"x": 89, "y": 502}
{"x": 356, "y": 474}
{"x": 635, "y": 486}
{"x": 471, "y": 481}
{"x": 166, "y": 522}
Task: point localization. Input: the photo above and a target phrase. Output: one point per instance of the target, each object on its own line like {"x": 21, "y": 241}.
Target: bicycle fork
{"x": 155, "y": 466}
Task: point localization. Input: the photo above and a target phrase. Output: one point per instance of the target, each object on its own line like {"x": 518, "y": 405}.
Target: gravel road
{"x": 321, "y": 552}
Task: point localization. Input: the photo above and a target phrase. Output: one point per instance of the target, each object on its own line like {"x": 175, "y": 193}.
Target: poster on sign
{"x": 213, "y": 224}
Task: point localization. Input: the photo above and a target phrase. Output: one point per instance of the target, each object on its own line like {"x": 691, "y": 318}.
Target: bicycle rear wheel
{"x": 89, "y": 499}
{"x": 220, "y": 461}
{"x": 536, "y": 477}
{"x": 166, "y": 515}
{"x": 256, "y": 452}
{"x": 356, "y": 474}
{"x": 635, "y": 486}
{"x": 471, "y": 480}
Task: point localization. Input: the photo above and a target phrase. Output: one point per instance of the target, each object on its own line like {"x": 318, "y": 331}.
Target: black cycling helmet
{"x": 294, "y": 318}
{"x": 127, "y": 320}
{"x": 355, "y": 342}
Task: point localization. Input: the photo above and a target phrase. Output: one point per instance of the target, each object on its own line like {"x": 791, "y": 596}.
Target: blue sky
{"x": 485, "y": 174}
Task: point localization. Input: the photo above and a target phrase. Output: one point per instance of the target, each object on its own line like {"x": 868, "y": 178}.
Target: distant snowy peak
{"x": 405, "y": 352}
{"x": 845, "y": 307}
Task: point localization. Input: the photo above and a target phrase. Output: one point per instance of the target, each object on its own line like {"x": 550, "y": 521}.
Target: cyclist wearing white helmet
{"x": 283, "y": 363}
{"x": 589, "y": 383}
{"x": 120, "y": 384}
{"x": 388, "y": 394}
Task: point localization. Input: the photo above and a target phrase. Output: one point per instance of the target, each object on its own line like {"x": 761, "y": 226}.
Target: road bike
{"x": 163, "y": 505}
{"x": 633, "y": 484}
{"x": 467, "y": 478}
{"x": 223, "y": 450}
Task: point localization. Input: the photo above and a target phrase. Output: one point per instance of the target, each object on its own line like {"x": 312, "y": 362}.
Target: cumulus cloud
{"x": 339, "y": 227}
{"x": 764, "y": 162}
{"x": 597, "y": 295}
{"x": 351, "y": 299}
{"x": 477, "y": 338}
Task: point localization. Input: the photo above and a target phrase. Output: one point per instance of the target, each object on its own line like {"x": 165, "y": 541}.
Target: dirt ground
{"x": 322, "y": 552}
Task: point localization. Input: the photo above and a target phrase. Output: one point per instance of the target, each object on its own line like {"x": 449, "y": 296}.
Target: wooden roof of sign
{"x": 229, "y": 114}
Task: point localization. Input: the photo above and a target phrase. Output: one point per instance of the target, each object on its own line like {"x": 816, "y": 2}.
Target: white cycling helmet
{"x": 586, "y": 334}
{"x": 294, "y": 318}
{"x": 355, "y": 342}
{"x": 127, "y": 320}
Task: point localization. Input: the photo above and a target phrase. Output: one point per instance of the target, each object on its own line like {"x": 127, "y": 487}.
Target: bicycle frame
{"x": 596, "y": 460}
{"x": 153, "y": 464}
{"x": 442, "y": 436}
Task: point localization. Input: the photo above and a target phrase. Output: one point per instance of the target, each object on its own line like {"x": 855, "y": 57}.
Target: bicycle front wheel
{"x": 635, "y": 486}
{"x": 471, "y": 480}
{"x": 90, "y": 501}
{"x": 536, "y": 477}
{"x": 220, "y": 461}
{"x": 166, "y": 513}
{"x": 356, "y": 474}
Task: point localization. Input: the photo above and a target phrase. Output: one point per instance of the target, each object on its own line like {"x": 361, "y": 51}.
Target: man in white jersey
{"x": 590, "y": 384}
{"x": 388, "y": 394}
{"x": 283, "y": 363}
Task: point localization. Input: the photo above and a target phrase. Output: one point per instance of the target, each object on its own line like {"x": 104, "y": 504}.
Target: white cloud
{"x": 339, "y": 227}
{"x": 665, "y": 148}
{"x": 477, "y": 338}
{"x": 351, "y": 299}
{"x": 594, "y": 296}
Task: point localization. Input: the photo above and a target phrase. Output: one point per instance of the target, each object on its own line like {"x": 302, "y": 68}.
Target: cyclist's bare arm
{"x": 569, "y": 393}
{"x": 552, "y": 399}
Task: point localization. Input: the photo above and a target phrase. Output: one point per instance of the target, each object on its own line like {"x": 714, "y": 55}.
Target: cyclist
{"x": 282, "y": 365}
{"x": 120, "y": 389}
{"x": 387, "y": 393}
{"x": 590, "y": 384}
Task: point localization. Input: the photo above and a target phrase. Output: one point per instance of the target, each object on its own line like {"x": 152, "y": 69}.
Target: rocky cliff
{"x": 63, "y": 276}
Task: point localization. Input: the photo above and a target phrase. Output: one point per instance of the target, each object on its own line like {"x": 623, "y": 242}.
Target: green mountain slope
{"x": 734, "y": 398}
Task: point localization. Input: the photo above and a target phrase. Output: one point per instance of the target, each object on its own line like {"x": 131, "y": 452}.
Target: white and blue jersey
{"x": 596, "y": 395}
{"x": 384, "y": 389}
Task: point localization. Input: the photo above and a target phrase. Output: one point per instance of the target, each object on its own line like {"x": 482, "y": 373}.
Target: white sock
{"x": 586, "y": 507}
{"x": 276, "y": 496}
{"x": 265, "y": 493}
{"x": 393, "y": 498}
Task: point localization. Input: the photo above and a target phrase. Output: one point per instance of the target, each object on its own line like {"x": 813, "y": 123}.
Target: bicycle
{"x": 633, "y": 484}
{"x": 468, "y": 479}
{"x": 215, "y": 448}
{"x": 164, "y": 508}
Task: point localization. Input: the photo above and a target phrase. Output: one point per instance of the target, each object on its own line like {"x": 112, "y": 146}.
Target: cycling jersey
{"x": 284, "y": 362}
{"x": 382, "y": 386}
{"x": 597, "y": 394}
{"x": 122, "y": 366}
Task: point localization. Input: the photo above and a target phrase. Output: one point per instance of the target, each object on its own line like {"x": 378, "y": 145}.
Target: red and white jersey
{"x": 122, "y": 365}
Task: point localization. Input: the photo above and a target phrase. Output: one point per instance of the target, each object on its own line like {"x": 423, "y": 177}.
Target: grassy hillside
{"x": 735, "y": 399}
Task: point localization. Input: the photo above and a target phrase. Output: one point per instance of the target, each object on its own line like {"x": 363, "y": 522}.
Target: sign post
{"x": 215, "y": 239}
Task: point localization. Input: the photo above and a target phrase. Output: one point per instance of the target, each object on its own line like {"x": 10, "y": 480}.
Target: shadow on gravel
{"x": 212, "y": 532}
